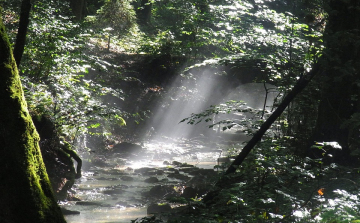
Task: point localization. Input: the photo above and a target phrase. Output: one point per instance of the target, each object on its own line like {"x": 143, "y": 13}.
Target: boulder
{"x": 151, "y": 180}
{"x": 158, "y": 208}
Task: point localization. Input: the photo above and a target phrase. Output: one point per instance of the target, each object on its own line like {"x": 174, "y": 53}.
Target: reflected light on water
{"x": 108, "y": 215}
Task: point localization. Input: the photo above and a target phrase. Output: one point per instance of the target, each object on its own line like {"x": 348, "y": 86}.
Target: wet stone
{"x": 68, "y": 212}
{"x": 151, "y": 180}
{"x": 160, "y": 191}
{"x": 143, "y": 170}
{"x": 166, "y": 162}
{"x": 176, "y": 163}
{"x": 189, "y": 192}
{"x": 171, "y": 169}
{"x": 150, "y": 173}
{"x": 72, "y": 198}
{"x": 178, "y": 176}
{"x": 157, "y": 208}
{"x": 186, "y": 165}
{"x": 160, "y": 172}
{"x": 188, "y": 169}
{"x": 146, "y": 171}
{"x": 122, "y": 204}
{"x": 127, "y": 178}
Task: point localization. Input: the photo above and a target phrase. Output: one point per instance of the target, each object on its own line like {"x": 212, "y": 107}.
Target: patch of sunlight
{"x": 260, "y": 30}
{"x": 301, "y": 213}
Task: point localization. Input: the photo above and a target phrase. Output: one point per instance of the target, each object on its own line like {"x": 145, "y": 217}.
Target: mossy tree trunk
{"x": 26, "y": 194}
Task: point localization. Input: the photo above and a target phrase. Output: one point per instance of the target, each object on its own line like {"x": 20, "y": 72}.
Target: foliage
{"x": 276, "y": 185}
{"x": 115, "y": 17}
{"x": 235, "y": 115}
{"x": 117, "y": 14}
{"x": 234, "y": 29}
{"x": 54, "y": 68}
{"x": 64, "y": 77}
{"x": 269, "y": 188}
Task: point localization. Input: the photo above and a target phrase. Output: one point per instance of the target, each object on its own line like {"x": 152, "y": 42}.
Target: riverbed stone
{"x": 189, "y": 192}
{"x": 158, "y": 208}
{"x": 166, "y": 162}
{"x": 160, "y": 172}
{"x": 114, "y": 191}
{"x": 188, "y": 169}
{"x": 127, "y": 178}
{"x": 144, "y": 170}
{"x": 69, "y": 212}
{"x": 178, "y": 176}
{"x": 160, "y": 191}
{"x": 176, "y": 163}
{"x": 151, "y": 180}
{"x": 122, "y": 203}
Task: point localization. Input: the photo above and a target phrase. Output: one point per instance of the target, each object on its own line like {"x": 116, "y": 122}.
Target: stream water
{"x": 112, "y": 188}
{"x": 115, "y": 186}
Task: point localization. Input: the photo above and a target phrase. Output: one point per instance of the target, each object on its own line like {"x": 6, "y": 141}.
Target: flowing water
{"x": 113, "y": 186}
{"x": 112, "y": 190}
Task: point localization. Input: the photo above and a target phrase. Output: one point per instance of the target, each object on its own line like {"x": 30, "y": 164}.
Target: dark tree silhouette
{"x": 21, "y": 34}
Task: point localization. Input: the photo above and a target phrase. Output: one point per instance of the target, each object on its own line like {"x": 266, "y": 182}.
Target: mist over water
{"x": 108, "y": 197}
{"x": 196, "y": 96}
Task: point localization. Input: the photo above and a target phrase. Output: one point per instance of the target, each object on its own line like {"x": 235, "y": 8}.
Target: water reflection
{"x": 115, "y": 192}
{"x": 100, "y": 214}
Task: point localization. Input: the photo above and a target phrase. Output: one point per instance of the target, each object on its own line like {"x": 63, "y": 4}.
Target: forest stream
{"x": 179, "y": 111}
{"x": 173, "y": 161}
{"x": 118, "y": 189}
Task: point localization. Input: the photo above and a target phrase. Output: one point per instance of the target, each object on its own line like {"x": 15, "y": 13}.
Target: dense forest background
{"x": 94, "y": 73}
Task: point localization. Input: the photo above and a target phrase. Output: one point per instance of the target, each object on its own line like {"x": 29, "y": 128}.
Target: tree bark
{"x": 340, "y": 93}
{"x": 26, "y": 194}
{"x": 341, "y": 76}
{"x": 144, "y": 12}
{"x": 21, "y": 34}
{"x": 78, "y": 8}
{"x": 302, "y": 83}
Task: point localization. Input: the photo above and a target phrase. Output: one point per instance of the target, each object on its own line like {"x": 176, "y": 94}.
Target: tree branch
{"x": 299, "y": 86}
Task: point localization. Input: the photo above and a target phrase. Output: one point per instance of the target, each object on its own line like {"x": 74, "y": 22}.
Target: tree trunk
{"x": 21, "y": 35}
{"x": 26, "y": 194}
{"x": 78, "y": 8}
{"x": 340, "y": 88}
{"x": 144, "y": 12}
{"x": 302, "y": 83}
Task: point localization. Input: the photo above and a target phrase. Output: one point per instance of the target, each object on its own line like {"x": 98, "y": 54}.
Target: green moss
{"x": 26, "y": 194}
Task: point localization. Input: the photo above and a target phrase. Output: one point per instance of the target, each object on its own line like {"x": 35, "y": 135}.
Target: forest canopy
{"x": 99, "y": 71}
